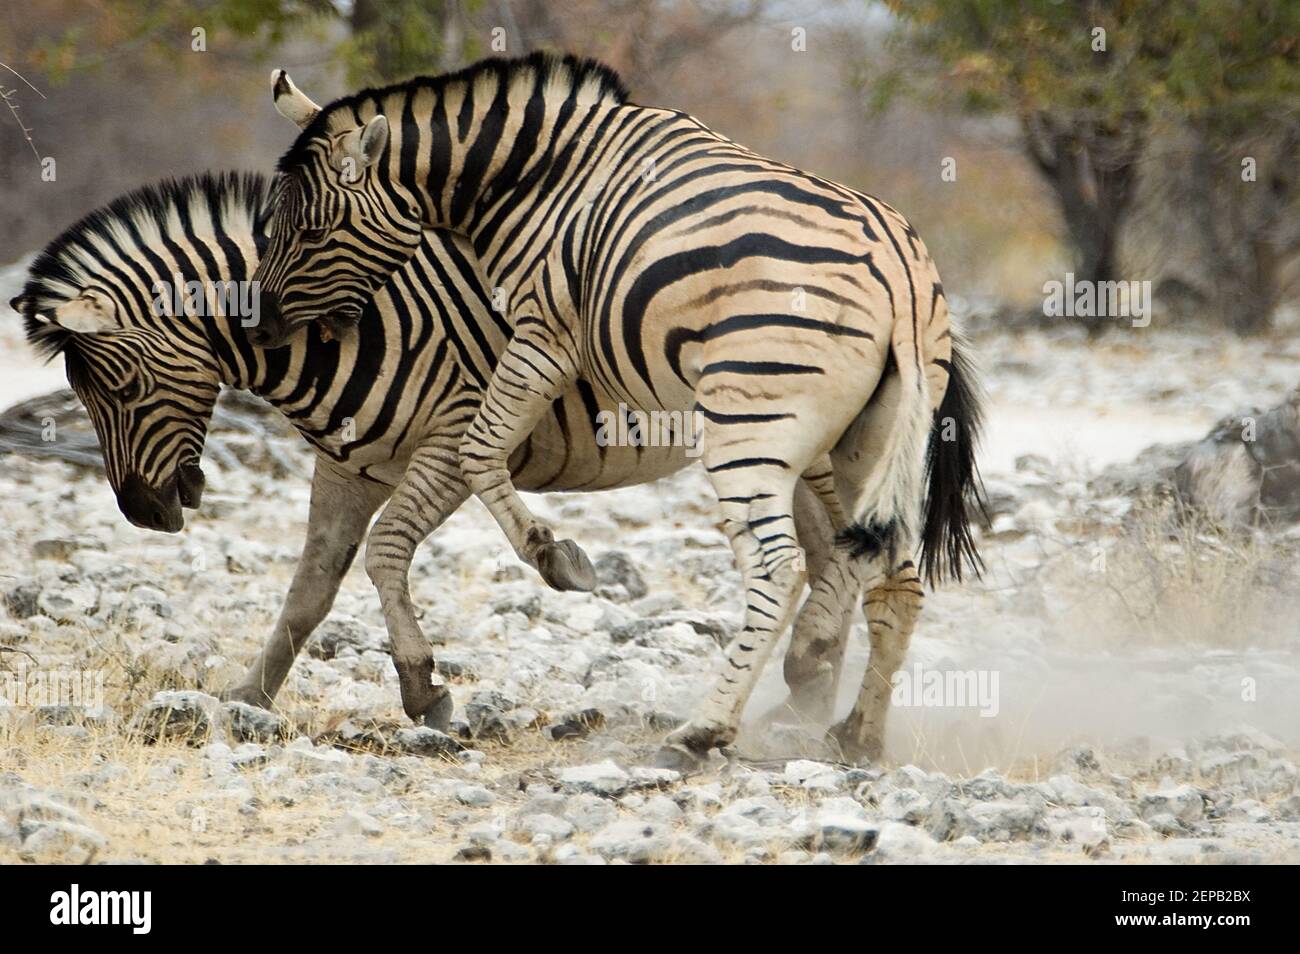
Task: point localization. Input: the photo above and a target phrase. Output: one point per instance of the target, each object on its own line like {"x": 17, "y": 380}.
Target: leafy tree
{"x": 1238, "y": 92}
{"x": 381, "y": 40}
{"x": 1066, "y": 70}
{"x": 1086, "y": 80}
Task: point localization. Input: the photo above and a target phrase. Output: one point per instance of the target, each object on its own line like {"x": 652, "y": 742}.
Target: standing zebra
{"x": 803, "y": 322}
{"x": 149, "y": 380}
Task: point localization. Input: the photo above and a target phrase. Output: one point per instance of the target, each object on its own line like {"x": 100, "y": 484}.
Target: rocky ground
{"x": 1148, "y": 672}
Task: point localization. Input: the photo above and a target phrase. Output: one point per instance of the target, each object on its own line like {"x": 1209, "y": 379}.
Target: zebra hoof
{"x": 438, "y": 715}
{"x": 564, "y": 566}
{"x": 690, "y": 743}
{"x": 811, "y": 697}
{"x": 853, "y": 748}
{"x": 253, "y": 696}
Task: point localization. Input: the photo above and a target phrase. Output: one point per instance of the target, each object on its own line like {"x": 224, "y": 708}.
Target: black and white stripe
{"x": 384, "y": 411}
{"x": 803, "y": 321}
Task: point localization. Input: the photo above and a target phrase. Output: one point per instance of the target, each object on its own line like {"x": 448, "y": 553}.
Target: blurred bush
{"x": 1100, "y": 86}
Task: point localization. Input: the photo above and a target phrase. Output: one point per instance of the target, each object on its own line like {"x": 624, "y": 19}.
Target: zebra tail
{"x": 886, "y": 513}
{"x": 954, "y": 492}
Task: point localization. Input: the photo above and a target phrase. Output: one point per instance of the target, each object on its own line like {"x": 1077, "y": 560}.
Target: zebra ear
{"x": 366, "y": 148}
{"x": 20, "y": 304}
{"x": 88, "y": 314}
{"x": 291, "y": 102}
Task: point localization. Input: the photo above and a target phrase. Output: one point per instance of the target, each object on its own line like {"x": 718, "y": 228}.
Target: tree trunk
{"x": 1241, "y": 221}
{"x": 1092, "y": 168}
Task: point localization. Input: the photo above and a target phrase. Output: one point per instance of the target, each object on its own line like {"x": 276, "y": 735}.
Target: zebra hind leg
{"x": 340, "y": 511}
{"x": 892, "y": 610}
{"x": 814, "y": 661}
{"x": 534, "y": 371}
{"x": 430, "y": 491}
{"x": 758, "y": 521}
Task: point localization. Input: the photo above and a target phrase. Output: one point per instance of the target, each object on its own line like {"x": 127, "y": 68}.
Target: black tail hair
{"x": 954, "y": 492}
{"x": 870, "y": 541}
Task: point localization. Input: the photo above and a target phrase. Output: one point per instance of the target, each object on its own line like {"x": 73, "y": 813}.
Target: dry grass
{"x": 1173, "y": 578}
{"x": 157, "y": 802}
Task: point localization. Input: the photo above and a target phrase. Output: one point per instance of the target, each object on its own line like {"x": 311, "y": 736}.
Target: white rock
{"x": 636, "y": 840}
{"x": 898, "y": 843}
{"x": 68, "y": 602}
{"x": 589, "y": 813}
{"x": 905, "y": 805}
{"x": 662, "y": 808}
{"x": 1083, "y": 825}
{"x": 647, "y": 777}
{"x": 763, "y": 810}
{"x": 475, "y": 796}
{"x": 356, "y": 822}
{"x": 689, "y": 850}
{"x": 317, "y": 760}
{"x": 836, "y": 825}
{"x": 996, "y": 820}
{"x": 743, "y": 831}
{"x": 55, "y": 842}
{"x": 602, "y": 778}
{"x": 814, "y": 776}
{"x": 546, "y": 825}
{"x": 1182, "y": 802}
{"x": 572, "y": 855}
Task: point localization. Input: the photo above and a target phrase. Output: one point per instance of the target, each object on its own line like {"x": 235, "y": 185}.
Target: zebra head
{"x": 340, "y": 223}
{"x": 149, "y": 404}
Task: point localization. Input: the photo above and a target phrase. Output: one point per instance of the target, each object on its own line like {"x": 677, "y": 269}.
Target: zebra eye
{"x": 138, "y": 388}
{"x": 129, "y": 391}
{"x": 315, "y": 235}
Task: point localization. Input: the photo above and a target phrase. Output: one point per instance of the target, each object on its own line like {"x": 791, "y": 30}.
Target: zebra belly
{"x": 598, "y": 443}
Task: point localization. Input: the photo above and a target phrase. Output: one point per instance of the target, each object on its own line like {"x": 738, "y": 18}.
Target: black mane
{"x": 504, "y": 68}
{"x": 154, "y": 202}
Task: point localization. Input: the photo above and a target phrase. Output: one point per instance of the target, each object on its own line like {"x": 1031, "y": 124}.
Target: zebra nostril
{"x": 269, "y": 331}
{"x": 149, "y": 508}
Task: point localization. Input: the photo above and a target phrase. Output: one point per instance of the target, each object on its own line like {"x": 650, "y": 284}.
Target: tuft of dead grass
{"x": 1174, "y": 577}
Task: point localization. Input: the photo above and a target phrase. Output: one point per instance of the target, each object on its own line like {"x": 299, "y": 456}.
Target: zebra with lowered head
{"x": 385, "y": 414}
{"x": 802, "y": 322}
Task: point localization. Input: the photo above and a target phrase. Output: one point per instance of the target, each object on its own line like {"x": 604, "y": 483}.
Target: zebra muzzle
{"x": 189, "y": 484}
{"x": 151, "y": 509}
{"x": 271, "y": 329}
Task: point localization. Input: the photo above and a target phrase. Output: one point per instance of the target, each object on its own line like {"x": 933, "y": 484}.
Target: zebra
{"x": 802, "y": 321}
{"x": 149, "y": 381}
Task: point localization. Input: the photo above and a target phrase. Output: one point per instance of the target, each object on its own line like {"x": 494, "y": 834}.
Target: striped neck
{"x": 487, "y": 154}
{"x": 472, "y": 146}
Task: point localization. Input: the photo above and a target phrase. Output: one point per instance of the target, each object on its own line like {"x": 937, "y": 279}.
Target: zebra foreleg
{"x": 534, "y": 371}
{"x": 341, "y": 507}
{"x": 892, "y": 610}
{"x": 430, "y": 491}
